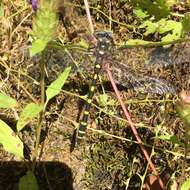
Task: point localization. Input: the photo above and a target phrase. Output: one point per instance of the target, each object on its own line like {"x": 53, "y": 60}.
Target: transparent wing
{"x": 131, "y": 80}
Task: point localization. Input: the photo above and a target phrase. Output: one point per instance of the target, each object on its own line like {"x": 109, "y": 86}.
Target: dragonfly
{"x": 141, "y": 73}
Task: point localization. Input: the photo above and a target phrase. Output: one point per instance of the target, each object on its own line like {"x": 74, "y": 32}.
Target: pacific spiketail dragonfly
{"x": 154, "y": 72}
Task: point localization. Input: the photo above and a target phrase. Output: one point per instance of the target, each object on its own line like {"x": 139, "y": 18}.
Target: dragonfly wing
{"x": 161, "y": 56}
{"x": 157, "y": 86}
{"x": 125, "y": 76}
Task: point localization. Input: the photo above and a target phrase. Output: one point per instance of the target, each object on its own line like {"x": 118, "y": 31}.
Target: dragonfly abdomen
{"x": 83, "y": 123}
{"x": 102, "y": 51}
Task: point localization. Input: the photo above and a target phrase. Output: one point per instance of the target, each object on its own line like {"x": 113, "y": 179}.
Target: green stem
{"x": 153, "y": 44}
{"x": 40, "y": 120}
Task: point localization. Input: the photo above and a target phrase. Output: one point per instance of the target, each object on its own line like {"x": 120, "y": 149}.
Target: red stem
{"x": 132, "y": 126}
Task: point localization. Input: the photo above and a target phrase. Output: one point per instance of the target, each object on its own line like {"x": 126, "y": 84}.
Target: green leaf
{"x": 10, "y": 140}
{"x": 171, "y": 29}
{"x": 157, "y": 8}
{"x": 6, "y": 101}
{"x": 103, "y": 100}
{"x": 55, "y": 87}
{"x": 140, "y": 13}
{"x": 150, "y": 27}
{"x": 170, "y": 138}
{"x": 186, "y": 23}
{"x": 1, "y": 8}
{"x": 83, "y": 43}
{"x": 186, "y": 185}
{"x": 37, "y": 46}
{"x": 28, "y": 182}
{"x": 28, "y": 113}
{"x": 137, "y": 42}
{"x": 175, "y": 29}
{"x": 183, "y": 109}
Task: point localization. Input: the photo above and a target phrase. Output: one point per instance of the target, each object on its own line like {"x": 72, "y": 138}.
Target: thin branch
{"x": 89, "y": 16}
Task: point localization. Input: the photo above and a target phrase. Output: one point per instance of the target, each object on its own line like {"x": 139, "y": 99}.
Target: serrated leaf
{"x": 6, "y": 101}
{"x": 157, "y": 8}
{"x": 140, "y": 13}
{"x": 151, "y": 27}
{"x": 37, "y": 46}
{"x": 28, "y": 182}
{"x": 28, "y": 113}
{"x": 186, "y": 185}
{"x": 172, "y": 29}
{"x": 55, "y": 87}
{"x": 10, "y": 140}
{"x": 175, "y": 29}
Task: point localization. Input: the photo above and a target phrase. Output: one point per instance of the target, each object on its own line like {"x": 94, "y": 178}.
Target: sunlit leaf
{"x": 170, "y": 138}
{"x": 186, "y": 185}
{"x": 140, "y": 13}
{"x": 37, "y": 46}
{"x": 171, "y": 29}
{"x": 167, "y": 25}
{"x": 150, "y": 27}
{"x": 10, "y": 140}
{"x": 175, "y": 29}
{"x": 83, "y": 43}
{"x": 55, "y": 87}
{"x": 6, "y": 101}
{"x": 157, "y": 8}
{"x": 103, "y": 100}
{"x": 137, "y": 42}
{"x": 28, "y": 113}
{"x": 28, "y": 182}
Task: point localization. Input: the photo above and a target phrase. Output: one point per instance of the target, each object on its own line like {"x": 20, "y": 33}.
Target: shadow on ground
{"x": 57, "y": 175}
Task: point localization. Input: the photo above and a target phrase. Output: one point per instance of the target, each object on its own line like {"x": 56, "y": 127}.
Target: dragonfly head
{"x": 104, "y": 42}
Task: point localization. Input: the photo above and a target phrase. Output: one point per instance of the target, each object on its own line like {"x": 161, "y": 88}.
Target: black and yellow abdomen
{"x": 104, "y": 44}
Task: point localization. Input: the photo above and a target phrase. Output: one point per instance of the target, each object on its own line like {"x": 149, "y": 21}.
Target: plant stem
{"x": 40, "y": 119}
{"x": 132, "y": 126}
